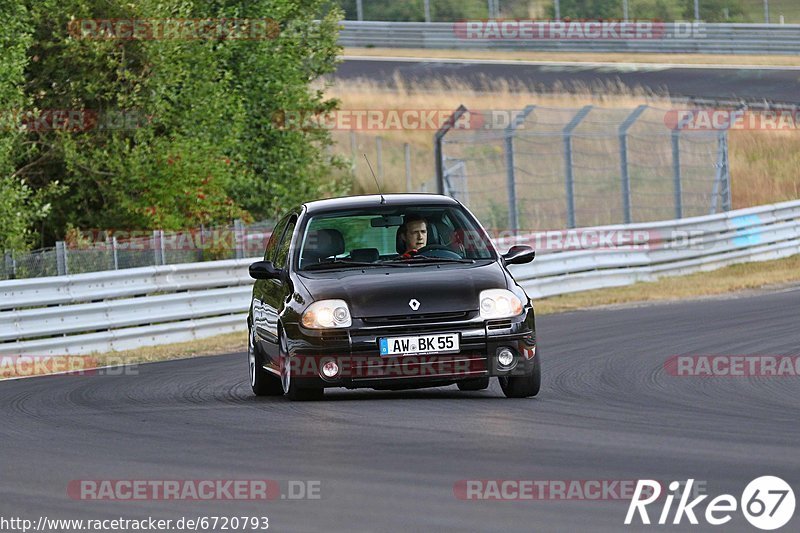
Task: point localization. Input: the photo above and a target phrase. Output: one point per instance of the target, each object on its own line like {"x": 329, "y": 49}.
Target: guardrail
{"x": 705, "y": 38}
{"x": 118, "y": 310}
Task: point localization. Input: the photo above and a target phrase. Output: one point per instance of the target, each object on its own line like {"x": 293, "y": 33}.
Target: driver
{"x": 414, "y": 234}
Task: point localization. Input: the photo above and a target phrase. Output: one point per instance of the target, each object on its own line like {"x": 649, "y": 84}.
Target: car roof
{"x": 374, "y": 200}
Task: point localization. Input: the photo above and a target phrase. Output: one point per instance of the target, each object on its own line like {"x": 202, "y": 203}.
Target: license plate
{"x": 419, "y": 344}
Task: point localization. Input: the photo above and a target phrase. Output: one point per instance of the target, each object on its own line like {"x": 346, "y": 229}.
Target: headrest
{"x": 324, "y": 243}
{"x": 369, "y": 255}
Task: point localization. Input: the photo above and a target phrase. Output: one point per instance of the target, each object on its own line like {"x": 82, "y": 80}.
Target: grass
{"x": 220, "y": 344}
{"x": 764, "y": 164}
{"x": 723, "y": 281}
{"x": 790, "y": 9}
{"x": 726, "y": 280}
{"x": 581, "y": 57}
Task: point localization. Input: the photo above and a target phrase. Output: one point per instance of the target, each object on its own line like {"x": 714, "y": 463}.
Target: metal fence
{"x": 566, "y": 168}
{"x": 780, "y": 11}
{"x": 676, "y": 38}
{"x": 101, "y": 251}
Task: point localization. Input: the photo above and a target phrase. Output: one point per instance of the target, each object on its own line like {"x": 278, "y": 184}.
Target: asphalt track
{"x": 774, "y": 84}
{"x": 388, "y": 461}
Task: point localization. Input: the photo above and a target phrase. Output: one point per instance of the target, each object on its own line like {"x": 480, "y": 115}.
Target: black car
{"x": 388, "y": 292}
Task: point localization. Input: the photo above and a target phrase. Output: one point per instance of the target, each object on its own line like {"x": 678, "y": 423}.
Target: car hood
{"x": 377, "y": 292}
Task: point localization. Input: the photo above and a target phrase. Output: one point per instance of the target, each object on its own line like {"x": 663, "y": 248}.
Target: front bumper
{"x": 356, "y": 354}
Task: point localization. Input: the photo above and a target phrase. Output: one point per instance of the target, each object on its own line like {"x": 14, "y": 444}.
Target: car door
{"x": 275, "y": 292}
{"x": 261, "y": 287}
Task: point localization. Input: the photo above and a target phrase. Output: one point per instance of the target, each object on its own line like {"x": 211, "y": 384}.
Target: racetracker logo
{"x": 395, "y": 119}
{"x": 767, "y": 503}
{"x": 589, "y": 239}
{"x": 576, "y": 30}
{"x": 545, "y": 489}
{"x": 72, "y": 120}
{"x": 356, "y": 366}
{"x": 732, "y": 119}
{"x": 16, "y": 366}
{"x": 733, "y": 366}
{"x": 189, "y": 240}
{"x": 171, "y": 29}
{"x": 192, "y": 489}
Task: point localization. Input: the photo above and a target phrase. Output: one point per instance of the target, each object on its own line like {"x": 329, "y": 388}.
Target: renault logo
{"x": 413, "y": 304}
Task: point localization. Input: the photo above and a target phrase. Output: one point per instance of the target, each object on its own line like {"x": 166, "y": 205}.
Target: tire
{"x": 523, "y": 386}
{"x": 288, "y": 386}
{"x": 474, "y": 384}
{"x": 262, "y": 382}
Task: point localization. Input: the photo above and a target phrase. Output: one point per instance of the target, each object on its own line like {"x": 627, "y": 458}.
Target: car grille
{"x": 415, "y": 318}
{"x": 498, "y": 324}
{"x": 336, "y": 336}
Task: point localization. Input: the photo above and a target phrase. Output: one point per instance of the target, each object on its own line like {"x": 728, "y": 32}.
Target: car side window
{"x": 275, "y": 238}
{"x": 282, "y": 252}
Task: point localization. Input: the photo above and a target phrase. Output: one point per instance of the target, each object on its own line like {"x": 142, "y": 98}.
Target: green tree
{"x": 197, "y": 143}
{"x": 20, "y": 205}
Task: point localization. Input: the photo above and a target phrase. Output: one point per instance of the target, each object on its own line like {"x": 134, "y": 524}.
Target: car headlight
{"x": 499, "y": 303}
{"x": 327, "y": 314}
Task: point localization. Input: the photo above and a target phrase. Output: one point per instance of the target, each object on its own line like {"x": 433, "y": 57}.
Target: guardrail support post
{"x": 62, "y": 266}
{"x": 623, "y": 162}
{"x": 438, "y": 140}
{"x": 569, "y": 182}
{"x": 676, "y": 172}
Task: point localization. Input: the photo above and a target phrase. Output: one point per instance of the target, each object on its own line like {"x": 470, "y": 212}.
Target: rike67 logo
{"x": 767, "y": 503}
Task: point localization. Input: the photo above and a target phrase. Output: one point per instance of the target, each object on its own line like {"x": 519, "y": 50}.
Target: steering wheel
{"x": 439, "y": 250}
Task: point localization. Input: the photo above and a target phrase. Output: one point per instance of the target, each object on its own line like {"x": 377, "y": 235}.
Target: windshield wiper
{"x": 337, "y": 263}
{"x": 420, "y": 259}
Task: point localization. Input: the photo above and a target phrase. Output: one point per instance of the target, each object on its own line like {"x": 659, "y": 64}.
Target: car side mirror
{"x": 519, "y": 255}
{"x": 265, "y": 270}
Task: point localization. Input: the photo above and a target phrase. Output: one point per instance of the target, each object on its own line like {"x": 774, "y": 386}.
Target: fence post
{"x": 202, "y": 247}
{"x": 726, "y": 174}
{"x": 407, "y": 150}
{"x": 157, "y": 242}
{"x": 62, "y": 266}
{"x": 722, "y": 180}
{"x": 427, "y": 10}
{"x": 353, "y": 150}
{"x": 11, "y": 265}
{"x": 511, "y": 185}
{"x": 623, "y": 158}
{"x": 676, "y": 172}
{"x": 438, "y": 139}
{"x": 114, "y": 252}
{"x": 379, "y": 157}
{"x": 569, "y": 179}
{"x": 238, "y": 235}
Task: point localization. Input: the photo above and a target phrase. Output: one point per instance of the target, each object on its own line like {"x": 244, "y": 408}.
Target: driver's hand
{"x": 409, "y": 254}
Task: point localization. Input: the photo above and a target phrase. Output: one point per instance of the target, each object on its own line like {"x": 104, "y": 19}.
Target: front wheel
{"x": 290, "y": 386}
{"x": 262, "y": 382}
{"x": 523, "y": 386}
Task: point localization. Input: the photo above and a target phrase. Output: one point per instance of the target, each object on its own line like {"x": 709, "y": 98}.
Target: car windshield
{"x": 392, "y": 236}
